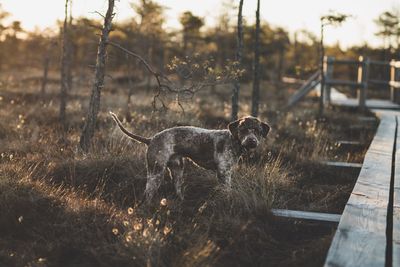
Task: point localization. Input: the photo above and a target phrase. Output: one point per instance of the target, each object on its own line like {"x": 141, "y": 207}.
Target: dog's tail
{"x": 133, "y": 136}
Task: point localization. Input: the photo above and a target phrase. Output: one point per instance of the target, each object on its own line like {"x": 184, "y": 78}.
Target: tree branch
{"x": 165, "y": 84}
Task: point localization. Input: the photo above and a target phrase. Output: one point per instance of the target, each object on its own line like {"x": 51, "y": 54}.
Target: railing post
{"x": 394, "y": 73}
{"x": 328, "y": 72}
{"x": 362, "y": 79}
{"x": 397, "y": 79}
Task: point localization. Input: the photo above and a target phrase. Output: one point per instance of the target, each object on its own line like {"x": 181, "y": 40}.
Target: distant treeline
{"x": 294, "y": 55}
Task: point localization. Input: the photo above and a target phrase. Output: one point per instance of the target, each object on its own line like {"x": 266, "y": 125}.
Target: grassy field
{"x": 60, "y": 207}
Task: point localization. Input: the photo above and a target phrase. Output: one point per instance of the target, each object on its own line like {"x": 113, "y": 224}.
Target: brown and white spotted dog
{"x": 217, "y": 150}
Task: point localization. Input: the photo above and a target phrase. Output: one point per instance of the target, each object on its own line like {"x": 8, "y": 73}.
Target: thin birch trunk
{"x": 64, "y": 71}
{"x": 69, "y": 48}
{"x": 130, "y": 74}
{"x": 281, "y": 57}
{"x": 94, "y": 105}
{"x": 256, "y": 79}
{"x": 46, "y": 63}
{"x": 239, "y": 50}
{"x": 321, "y": 68}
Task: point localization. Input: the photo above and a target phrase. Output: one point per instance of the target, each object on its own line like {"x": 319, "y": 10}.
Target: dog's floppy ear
{"x": 233, "y": 126}
{"x": 265, "y": 129}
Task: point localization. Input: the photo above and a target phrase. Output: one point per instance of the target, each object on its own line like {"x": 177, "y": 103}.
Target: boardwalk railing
{"x": 363, "y": 80}
{"x": 310, "y": 84}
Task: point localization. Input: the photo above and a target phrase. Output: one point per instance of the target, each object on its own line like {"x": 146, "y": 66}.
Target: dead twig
{"x": 165, "y": 84}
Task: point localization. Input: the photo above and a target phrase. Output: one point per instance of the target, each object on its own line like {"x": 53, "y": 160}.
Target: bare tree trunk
{"x": 162, "y": 57}
{"x": 46, "y": 63}
{"x": 130, "y": 91}
{"x": 256, "y": 78}
{"x": 149, "y": 59}
{"x": 296, "y": 54}
{"x": 69, "y": 49}
{"x": 281, "y": 57}
{"x": 321, "y": 67}
{"x": 94, "y": 105}
{"x": 239, "y": 49}
{"x": 185, "y": 43}
{"x": 64, "y": 71}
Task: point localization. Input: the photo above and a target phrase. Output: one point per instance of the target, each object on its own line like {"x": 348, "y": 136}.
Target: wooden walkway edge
{"x": 360, "y": 239}
{"x": 396, "y": 206}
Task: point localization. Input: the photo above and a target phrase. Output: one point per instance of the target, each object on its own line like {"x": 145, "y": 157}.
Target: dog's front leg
{"x": 224, "y": 174}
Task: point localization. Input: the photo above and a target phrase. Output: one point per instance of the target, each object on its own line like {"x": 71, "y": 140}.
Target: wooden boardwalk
{"x": 368, "y": 233}
{"x": 361, "y": 237}
{"x": 396, "y": 205}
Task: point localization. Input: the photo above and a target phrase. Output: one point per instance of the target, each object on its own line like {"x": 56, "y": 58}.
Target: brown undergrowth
{"x": 60, "y": 207}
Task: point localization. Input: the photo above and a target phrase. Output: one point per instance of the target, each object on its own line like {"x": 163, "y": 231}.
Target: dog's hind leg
{"x": 157, "y": 161}
{"x": 176, "y": 167}
{"x": 154, "y": 180}
{"x": 155, "y": 174}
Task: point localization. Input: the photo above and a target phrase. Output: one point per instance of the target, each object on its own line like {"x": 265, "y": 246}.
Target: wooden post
{"x": 362, "y": 79}
{"x": 392, "y": 78}
{"x": 397, "y": 79}
{"x": 328, "y": 72}
{"x": 393, "y": 90}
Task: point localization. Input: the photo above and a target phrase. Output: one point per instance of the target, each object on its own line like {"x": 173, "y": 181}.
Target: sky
{"x": 290, "y": 14}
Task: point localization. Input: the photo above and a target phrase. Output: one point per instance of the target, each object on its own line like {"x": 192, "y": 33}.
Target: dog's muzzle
{"x": 250, "y": 142}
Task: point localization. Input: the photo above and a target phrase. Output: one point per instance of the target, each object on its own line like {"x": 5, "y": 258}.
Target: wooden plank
{"x": 346, "y": 61}
{"x": 379, "y": 82}
{"x": 362, "y": 127}
{"x": 371, "y": 103}
{"x": 343, "y": 143}
{"x": 360, "y": 239}
{"x": 307, "y": 215}
{"x": 396, "y": 205}
{"x": 383, "y": 63}
{"x": 342, "y": 164}
{"x": 313, "y": 81}
{"x": 367, "y": 119}
{"x": 344, "y": 83}
{"x": 375, "y": 62}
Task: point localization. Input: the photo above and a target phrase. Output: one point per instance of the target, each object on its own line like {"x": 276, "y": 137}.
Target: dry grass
{"x": 63, "y": 208}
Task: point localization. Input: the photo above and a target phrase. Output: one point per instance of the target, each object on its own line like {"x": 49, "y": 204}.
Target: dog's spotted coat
{"x": 217, "y": 150}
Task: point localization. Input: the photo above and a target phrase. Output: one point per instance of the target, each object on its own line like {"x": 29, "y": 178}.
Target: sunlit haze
{"x": 291, "y": 14}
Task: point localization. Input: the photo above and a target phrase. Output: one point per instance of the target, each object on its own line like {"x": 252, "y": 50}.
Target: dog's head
{"x": 249, "y": 131}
